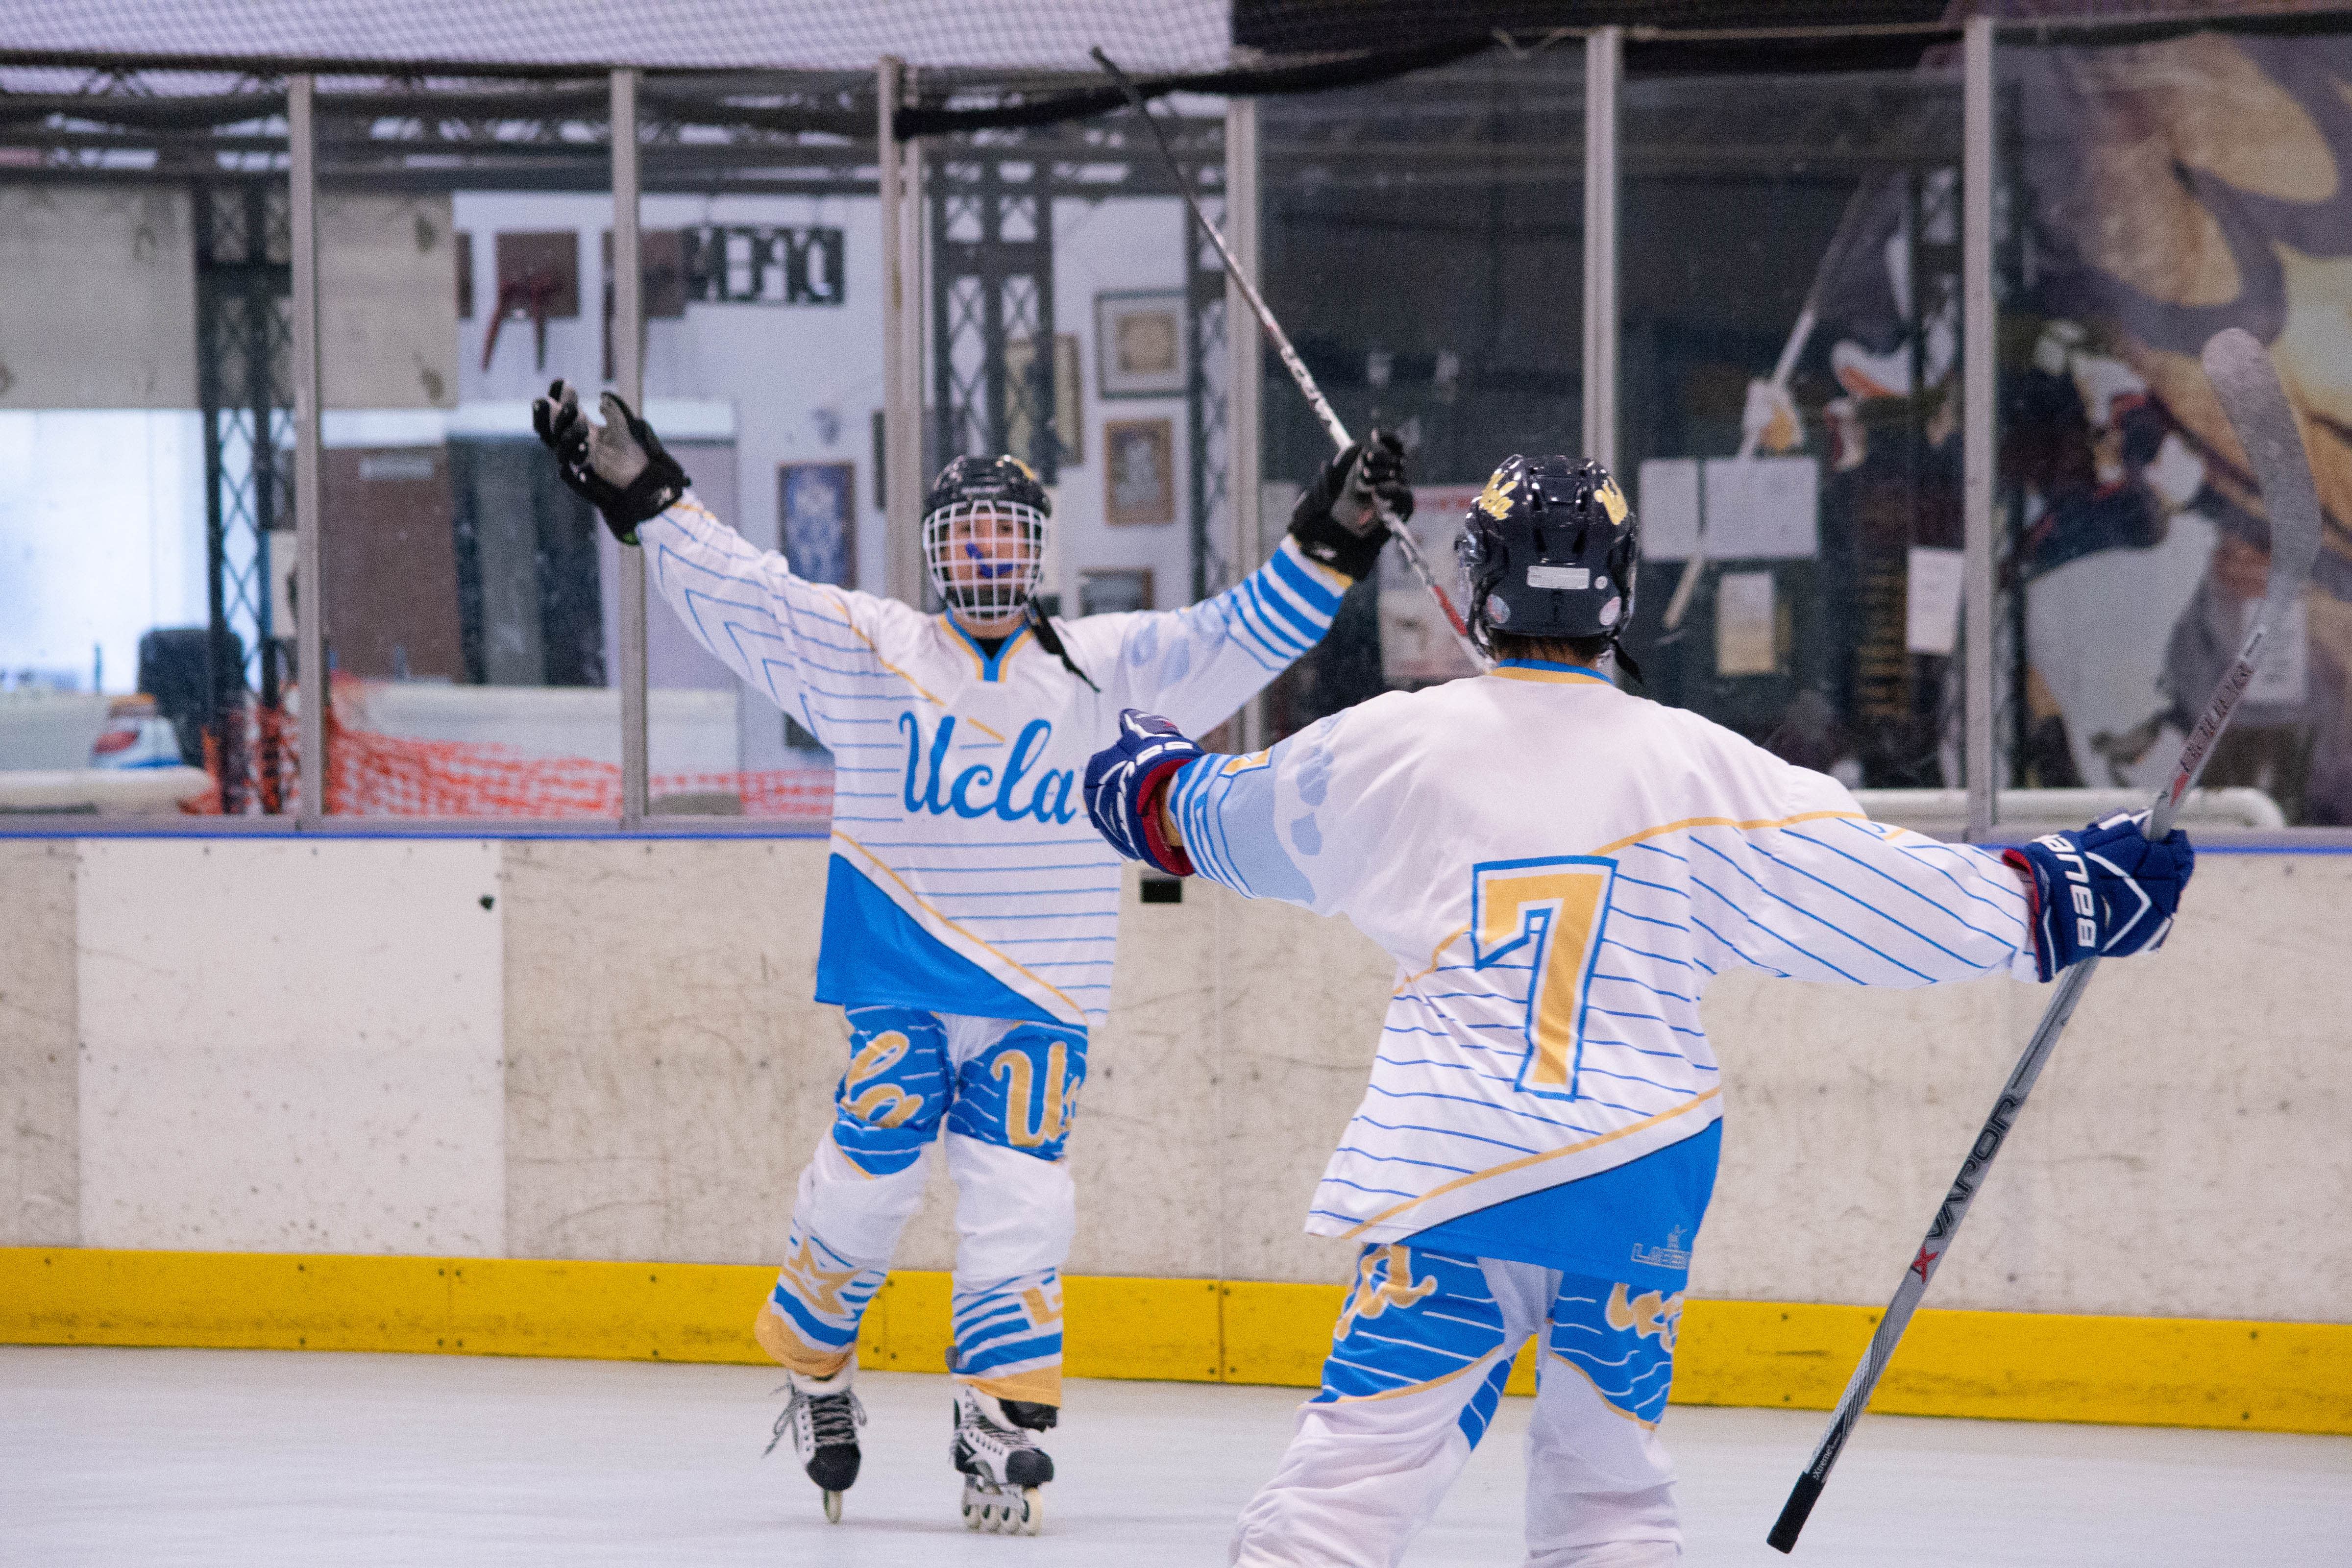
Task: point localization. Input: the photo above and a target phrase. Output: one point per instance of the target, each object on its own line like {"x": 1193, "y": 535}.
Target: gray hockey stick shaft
{"x": 1679, "y": 605}
{"x": 1414, "y": 559}
{"x": 2248, "y": 386}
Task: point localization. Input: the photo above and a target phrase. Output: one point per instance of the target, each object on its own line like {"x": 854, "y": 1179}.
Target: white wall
{"x": 290, "y": 1047}
{"x": 330, "y": 1045}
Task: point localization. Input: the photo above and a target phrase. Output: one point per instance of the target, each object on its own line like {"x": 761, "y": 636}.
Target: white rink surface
{"x": 140, "y": 1456}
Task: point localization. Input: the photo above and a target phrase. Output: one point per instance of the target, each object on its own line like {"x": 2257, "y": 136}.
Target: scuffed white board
{"x": 292, "y": 1046}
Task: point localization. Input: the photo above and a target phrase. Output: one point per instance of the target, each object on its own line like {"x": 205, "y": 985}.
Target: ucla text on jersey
{"x": 963, "y": 877}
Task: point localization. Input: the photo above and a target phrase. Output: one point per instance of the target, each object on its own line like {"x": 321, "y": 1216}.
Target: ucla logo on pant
{"x": 1037, "y": 1112}
{"x": 879, "y": 1104}
{"x": 978, "y": 791}
{"x": 1383, "y": 1280}
{"x": 1651, "y": 1315}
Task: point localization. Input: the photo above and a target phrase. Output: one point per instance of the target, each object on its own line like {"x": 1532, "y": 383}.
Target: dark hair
{"x": 1550, "y": 650}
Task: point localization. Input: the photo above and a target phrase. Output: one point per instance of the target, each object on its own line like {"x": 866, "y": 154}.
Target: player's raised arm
{"x": 744, "y": 605}
{"x": 1197, "y": 665}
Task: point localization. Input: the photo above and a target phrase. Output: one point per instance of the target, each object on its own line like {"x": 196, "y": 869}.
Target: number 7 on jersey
{"x": 1554, "y": 908}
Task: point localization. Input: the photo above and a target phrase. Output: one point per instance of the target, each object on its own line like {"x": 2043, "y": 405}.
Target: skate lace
{"x": 829, "y": 1420}
{"x": 835, "y": 1418}
{"x": 1002, "y": 1442}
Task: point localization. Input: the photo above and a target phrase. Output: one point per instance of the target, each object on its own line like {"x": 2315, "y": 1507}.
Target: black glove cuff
{"x": 1325, "y": 539}
{"x": 650, "y": 494}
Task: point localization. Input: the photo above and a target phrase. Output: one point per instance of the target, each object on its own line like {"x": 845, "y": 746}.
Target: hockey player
{"x": 1559, "y": 868}
{"x": 970, "y": 911}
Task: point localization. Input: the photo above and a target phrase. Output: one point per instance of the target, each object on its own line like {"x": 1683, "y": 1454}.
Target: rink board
{"x": 2176, "y": 1371}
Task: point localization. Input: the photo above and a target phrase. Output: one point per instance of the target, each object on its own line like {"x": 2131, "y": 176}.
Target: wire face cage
{"x": 985, "y": 557}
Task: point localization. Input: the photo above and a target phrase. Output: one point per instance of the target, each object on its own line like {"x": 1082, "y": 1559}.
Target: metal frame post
{"x": 629, "y": 381}
{"x": 1979, "y": 372}
{"x": 1605, "y": 62}
{"x": 301, "y": 132}
{"x": 899, "y": 167}
{"x": 1245, "y": 368}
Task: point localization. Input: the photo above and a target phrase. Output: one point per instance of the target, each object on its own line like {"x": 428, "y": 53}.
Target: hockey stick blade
{"x": 2248, "y": 386}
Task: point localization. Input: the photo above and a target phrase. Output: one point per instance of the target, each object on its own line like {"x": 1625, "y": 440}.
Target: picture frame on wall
{"x": 1139, "y": 349}
{"x": 1069, "y": 403}
{"x": 816, "y": 520}
{"x": 1113, "y": 590}
{"x": 1139, "y": 471}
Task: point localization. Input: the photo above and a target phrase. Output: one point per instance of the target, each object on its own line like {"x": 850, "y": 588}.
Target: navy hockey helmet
{"x": 984, "y": 533}
{"x": 1549, "y": 548}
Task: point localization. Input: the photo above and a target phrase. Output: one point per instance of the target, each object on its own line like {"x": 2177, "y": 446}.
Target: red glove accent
{"x": 1168, "y": 857}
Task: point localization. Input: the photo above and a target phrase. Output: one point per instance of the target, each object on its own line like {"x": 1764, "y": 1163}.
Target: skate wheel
{"x": 1033, "y": 1510}
{"x": 972, "y": 1512}
{"x": 833, "y": 1508}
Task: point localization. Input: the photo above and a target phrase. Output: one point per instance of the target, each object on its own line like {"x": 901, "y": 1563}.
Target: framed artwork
{"x": 1140, "y": 343}
{"x": 539, "y": 274}
{"x": 816, "y": 510}
{"x": 1109, "y": 590}
{"x": 1069, "y": 422}
{"x": 1140, "y": 471}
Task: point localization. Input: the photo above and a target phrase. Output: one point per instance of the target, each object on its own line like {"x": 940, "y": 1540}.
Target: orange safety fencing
{"x": 371, "y": 774}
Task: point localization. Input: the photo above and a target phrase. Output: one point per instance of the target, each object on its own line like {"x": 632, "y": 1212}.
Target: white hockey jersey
{"x": 1559, "y": 868}
{"x": 964, "y": 877}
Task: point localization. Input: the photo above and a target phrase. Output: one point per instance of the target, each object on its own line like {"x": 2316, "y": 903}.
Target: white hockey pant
{"x": 1003, "y": 1093}
{"x": 1416, "y": 1368}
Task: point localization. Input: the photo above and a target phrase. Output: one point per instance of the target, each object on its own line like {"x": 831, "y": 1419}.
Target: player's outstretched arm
{"x": 1831, "y": 896}
{"x": 1158, "y": 798}
{"x": 742, "y": 603}
{"x": 2105, "y": 890}
{"x": 1199, "y": 664}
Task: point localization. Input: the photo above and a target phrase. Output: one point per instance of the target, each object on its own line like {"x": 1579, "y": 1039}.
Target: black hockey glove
{"x": 618, "y": 467}
{"x": 2104, "y": 891}
{"x": 1125, "y": 783}
{"x": 1337, "y": 520}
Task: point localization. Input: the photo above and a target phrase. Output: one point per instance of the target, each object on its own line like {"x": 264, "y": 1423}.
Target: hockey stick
{"x": 1678, "y": 607}
{"x": 1292, "y": 363}
{"x": 2248, "y": 386}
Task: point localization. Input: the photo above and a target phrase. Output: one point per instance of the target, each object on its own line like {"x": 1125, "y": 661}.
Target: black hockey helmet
{"x": 998, "y": 578}
{"x": 1549, "y": 548}
{"x": 966, "y": 480}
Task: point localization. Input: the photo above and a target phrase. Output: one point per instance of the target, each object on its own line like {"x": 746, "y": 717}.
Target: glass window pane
{"x": 1811, "y": 220}
{"x": 145, "y": 325}
{"x": 2157, "y": 194}
{"x": 1423, "y": 248}
{"x": 761, "y": 268}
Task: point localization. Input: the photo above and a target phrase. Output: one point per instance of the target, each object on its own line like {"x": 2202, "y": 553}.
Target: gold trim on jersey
{"x": 1010, "y": 962}
{"x": 1520, "y": 672}
{"x": 1522, "y": 1163}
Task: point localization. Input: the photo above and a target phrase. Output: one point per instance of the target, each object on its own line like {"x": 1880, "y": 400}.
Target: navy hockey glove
{"x": 619, "y": 467}
{"x": 2105, "y": 890}
{"x": 1335, "y": 521}
{"x": 1125, "y": 782}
